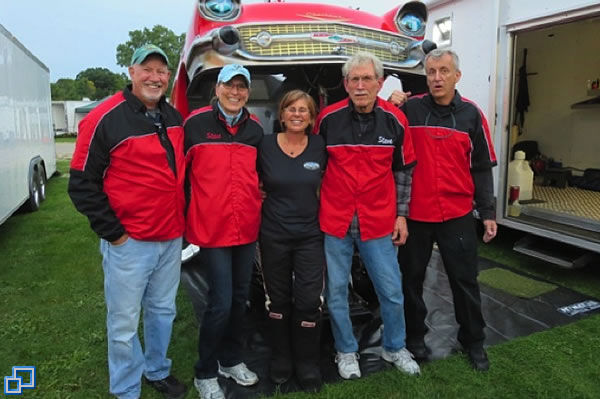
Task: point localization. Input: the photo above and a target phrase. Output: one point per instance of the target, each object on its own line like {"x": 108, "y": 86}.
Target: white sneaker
{"x": 240, "y": 374}
{"x": 209, "y": 388}
{"x": 347, "y": 364}
{"x": 403, "y": 360}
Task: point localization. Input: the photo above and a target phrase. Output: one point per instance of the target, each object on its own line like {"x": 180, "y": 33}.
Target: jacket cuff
{"x": 487, "y": 214}
{"x": 114, "y": 236}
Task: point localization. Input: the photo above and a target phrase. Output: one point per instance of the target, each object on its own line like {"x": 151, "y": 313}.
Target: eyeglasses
{"x": 293, "y": 110}
{"x": 231, "y": 86}
{"x": 367, "y": 79}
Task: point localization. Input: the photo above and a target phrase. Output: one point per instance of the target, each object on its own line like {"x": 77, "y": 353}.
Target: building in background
{"x": 66, "y": 117}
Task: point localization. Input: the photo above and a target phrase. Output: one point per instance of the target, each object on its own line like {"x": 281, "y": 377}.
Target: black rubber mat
{"x": 507, "y": 317}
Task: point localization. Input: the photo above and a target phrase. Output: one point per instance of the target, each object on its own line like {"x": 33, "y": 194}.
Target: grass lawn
{"x": 65, "y": 139}
{"x": 53, "y": 317}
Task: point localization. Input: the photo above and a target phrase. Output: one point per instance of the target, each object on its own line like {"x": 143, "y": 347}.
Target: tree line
{"x": 98, "y": 83}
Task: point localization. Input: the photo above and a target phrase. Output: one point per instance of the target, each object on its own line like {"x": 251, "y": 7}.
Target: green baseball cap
{"x": 141, "y": 53}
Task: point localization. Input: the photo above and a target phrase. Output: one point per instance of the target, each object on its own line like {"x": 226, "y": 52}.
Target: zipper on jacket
{"x": 161, "y": 130}
{"x": 167, "y": 145}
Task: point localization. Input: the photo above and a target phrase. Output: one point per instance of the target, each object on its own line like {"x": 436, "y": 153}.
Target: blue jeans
{"x": 139, "y": 274}
{"x": 221, "y": 338}
{"x": 379, "y": 257}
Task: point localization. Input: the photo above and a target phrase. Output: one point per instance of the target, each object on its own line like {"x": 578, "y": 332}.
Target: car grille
{"x": 299, "y": 40}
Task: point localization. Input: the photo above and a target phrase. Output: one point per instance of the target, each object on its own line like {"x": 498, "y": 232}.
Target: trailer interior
{"x": 558, "y": 68}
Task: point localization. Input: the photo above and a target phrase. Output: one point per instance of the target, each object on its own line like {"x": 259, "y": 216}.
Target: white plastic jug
{"x": 520, "y": 174}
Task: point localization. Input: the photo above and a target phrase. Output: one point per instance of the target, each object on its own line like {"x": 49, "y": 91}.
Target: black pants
{"x": 294, "y": 274}
{"x": 228, "y": 274}
{"x": 457, "y": 242}
{"x": 194, "y": 280}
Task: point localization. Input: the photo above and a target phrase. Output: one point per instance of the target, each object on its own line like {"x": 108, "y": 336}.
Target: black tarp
{"x": 507, "y": 317}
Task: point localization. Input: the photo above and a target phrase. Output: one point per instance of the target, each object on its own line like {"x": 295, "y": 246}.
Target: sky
{"x": 70, "y": 36}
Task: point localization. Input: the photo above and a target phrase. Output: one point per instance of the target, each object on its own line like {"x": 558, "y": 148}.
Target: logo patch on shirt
{"x": 312, "y": 165}
{"x": 383, "y": 140}
{"x": 213, "y": 136}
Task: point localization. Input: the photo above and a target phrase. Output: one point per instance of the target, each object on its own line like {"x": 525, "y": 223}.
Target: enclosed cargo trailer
{"x": 531, "y": 67}
{"x": 27, "y": 150}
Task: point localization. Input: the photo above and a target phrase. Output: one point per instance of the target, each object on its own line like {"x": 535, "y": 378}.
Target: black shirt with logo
{"x": 291, "y": 208}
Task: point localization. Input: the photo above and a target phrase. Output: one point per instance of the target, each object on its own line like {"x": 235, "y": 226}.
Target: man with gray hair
{"x": 135, "y": 136}
{"x": 453, "y": 143}
{"x": 364, "y": 201}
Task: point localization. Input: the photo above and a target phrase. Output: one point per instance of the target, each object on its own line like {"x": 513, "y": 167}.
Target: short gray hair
{"x": 361, "y": 58}
{"x": 439, "y": 53}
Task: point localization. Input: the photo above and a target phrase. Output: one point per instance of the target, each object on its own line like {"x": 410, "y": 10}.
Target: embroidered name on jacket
{"x": 383, "y": 140}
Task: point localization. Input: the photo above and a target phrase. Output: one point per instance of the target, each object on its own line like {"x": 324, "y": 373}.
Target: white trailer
{"x": 27, "y": 150}
{"x": 560, "y": 38}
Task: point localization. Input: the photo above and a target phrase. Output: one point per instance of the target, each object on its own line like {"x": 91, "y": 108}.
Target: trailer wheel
{"x": 41, "y": 182}
{"x": 34, "y": 201}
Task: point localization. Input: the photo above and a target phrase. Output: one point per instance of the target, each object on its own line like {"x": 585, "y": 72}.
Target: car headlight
{"x": 219, "y": 10}
{"x": 411, "y": 24}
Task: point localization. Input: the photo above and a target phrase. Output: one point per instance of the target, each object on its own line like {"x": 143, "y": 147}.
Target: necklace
{"x": 290, "y": 148}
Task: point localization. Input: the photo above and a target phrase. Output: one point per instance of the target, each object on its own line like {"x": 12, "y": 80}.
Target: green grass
{"x": 586, "y": 281}
{"x": 513, "y": 283}
{"x": 53, "y": 317}
{"x": 65, "y": 139}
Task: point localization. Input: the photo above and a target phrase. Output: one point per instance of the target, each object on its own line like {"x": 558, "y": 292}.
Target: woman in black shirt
{"x": 290, "y": 166}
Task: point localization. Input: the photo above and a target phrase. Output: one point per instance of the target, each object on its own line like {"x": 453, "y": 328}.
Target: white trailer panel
{"x": 563, "y": 52}
{"x": 27, "y": 150}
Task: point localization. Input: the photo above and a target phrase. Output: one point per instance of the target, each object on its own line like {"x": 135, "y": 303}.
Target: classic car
{"x": 296, "y": 45}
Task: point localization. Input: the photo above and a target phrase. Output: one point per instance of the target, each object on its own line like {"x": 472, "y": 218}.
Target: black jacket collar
{"x": 444, "y": 110}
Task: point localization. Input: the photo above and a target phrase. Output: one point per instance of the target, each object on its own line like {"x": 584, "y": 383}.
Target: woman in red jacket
{"x": 223, "y": 219}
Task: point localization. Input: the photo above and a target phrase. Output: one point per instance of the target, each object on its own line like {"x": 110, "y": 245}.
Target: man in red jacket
{"x": 452, "y": 140}
{"x": 127, "y": 177}
{"x": 364, "y": 202}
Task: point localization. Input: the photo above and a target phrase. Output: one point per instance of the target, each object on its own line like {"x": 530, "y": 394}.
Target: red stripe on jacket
{"x": 225, "y": 203}
{"x": 119, "y": 152}
{"x": 449, "y": 146}
{"x": 359, "y": 175}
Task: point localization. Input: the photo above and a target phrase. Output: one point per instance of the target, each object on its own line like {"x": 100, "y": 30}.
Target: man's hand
{"x": 400, "y": 233}
{"x": 398, "y": 98}
{"x": 120, "y": 240}
{"x": 490, "y": 228}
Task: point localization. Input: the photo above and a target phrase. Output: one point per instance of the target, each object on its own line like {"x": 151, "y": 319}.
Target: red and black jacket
{"x": 224, "y": 204}
{"x": 455, "y": 151}
{"x": 359, "y": 175}
{"x": 124, "y": 176}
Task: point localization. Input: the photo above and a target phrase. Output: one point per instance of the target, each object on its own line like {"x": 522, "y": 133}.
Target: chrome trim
{"x": 326, "y": 22}
{"x": 300, "y": 39}
{"x": 393, "y": 47}
{"x": 219, "y": 44}
{"x": 338, "y": 56}
{"x": 199, "y": 46}
{"x": 399, "y": 45}
{"x": 263, "y": 39}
